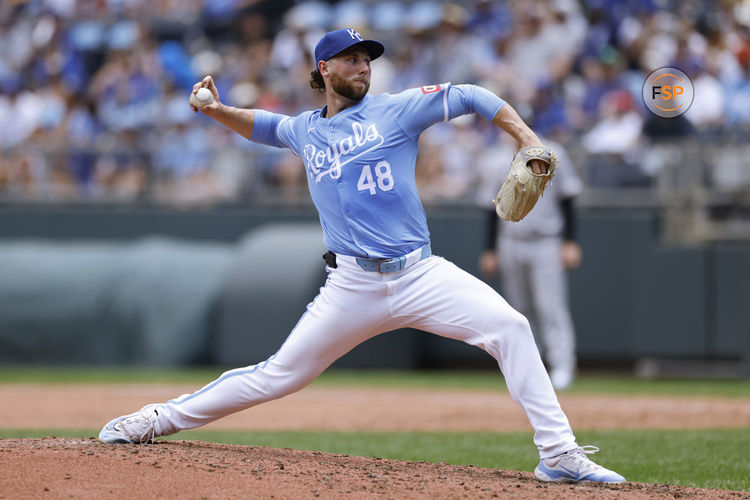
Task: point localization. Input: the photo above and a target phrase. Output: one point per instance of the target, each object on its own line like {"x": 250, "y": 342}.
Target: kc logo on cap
{"x": 337, "y": 41}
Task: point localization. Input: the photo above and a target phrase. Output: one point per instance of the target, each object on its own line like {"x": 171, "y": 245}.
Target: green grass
{"x": 105, "y": 375}
{"x": 697, "y": 458}
{"x": 485, "y": 381}
{"x": 587, "y": 383}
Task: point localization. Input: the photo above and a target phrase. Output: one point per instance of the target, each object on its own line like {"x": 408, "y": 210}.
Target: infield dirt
{"x": 31, "y": 406}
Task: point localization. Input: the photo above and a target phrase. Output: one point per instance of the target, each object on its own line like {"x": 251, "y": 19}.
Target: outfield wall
{"x": 157, "y": 286}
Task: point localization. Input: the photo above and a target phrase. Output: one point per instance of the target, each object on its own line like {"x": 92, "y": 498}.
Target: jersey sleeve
{"x": 274, "y": 129}
{"x": 430, "y": 104}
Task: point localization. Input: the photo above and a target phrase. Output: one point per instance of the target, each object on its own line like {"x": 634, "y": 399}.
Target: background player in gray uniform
{"x": 359, "y": 154}
{"x": 532, "y": 255}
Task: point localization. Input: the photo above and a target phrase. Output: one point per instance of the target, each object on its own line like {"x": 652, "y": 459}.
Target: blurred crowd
{"x": 94, "y": 93}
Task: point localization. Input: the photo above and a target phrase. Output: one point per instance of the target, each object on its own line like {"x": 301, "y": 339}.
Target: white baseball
{"x": 203, "y": 96}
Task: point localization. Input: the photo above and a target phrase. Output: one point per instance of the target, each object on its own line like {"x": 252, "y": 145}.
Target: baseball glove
{"x": 522, "y": 188}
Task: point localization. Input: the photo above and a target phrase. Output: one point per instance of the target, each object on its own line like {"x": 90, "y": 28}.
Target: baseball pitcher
{"x": 359, "y": 153}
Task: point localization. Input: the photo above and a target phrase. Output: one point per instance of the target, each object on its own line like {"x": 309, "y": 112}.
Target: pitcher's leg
{"x": 329, "y": 329}
{"x": 459, "y": 306}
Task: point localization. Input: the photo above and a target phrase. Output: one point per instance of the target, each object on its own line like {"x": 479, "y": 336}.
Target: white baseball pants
{"x": 534, "y": 282}
{"x": 433, "y": 295}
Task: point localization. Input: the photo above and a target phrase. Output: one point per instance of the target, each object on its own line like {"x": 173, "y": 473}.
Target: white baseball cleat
{"x": 137, "y": 428}
{"x": 574, "y": 467}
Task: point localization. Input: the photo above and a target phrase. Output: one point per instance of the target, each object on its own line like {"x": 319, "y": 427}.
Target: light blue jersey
{"x": 360, "y": 163}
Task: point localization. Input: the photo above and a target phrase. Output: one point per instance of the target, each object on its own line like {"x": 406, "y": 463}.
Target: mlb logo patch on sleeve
{"x": 429, "y": 89}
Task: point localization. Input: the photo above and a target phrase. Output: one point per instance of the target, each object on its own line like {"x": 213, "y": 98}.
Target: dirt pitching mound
{"x": 85, "y": 468}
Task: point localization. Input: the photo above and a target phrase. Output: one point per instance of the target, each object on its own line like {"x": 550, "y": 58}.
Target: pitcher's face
{"x": 349, "y": 73}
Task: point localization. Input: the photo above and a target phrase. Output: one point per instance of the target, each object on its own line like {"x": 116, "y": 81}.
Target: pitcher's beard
{"x": 347, "y": 89}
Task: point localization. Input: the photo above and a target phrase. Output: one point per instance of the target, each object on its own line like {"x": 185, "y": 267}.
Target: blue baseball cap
{"x": 337, "y": 41}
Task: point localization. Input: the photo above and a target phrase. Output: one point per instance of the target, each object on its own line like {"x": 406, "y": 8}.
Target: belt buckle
{"x": 384, "y": 261}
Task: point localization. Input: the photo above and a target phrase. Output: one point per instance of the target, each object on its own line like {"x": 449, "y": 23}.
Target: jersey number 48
{"x": 383, "y": 178}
